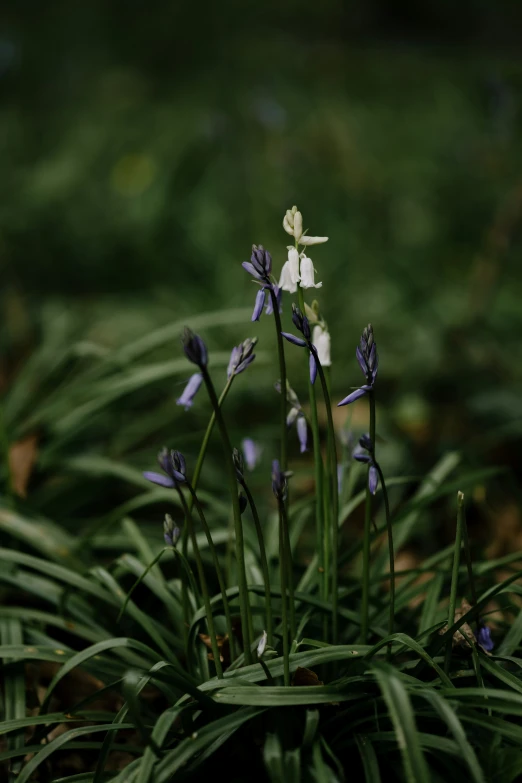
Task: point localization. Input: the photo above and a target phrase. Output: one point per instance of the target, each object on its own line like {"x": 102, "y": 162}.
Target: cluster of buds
{"x": 171, "y": 532}
{"x": 279, "y": 480}
{"x": 368, "y": 359}
{"x": 173, "y": 464}
{"x": 302, "y": 324}
{"x": 293, "y": 225}
{"x": 365, "y": 453}
{"x": 296, "y": 415}
{"x": 242, "y": 355}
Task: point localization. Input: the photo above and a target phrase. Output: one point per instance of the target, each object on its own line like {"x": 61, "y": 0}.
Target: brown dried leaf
{"x": 305, "y": 677}
{"x": 465, "y": 632}
{"x": 22, "y": 457}
{"x": 223, "y": 647}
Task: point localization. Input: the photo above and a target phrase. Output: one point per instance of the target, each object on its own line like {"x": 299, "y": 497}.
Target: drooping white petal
{"x": 321, "y": 340}
{"x": 293, "y": 260}
{"x": 308, "y": 273}
{"x": 286, "y": 281}
{"x": 306, "y": 240}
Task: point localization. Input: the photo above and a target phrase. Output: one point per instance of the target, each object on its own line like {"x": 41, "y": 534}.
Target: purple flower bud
{"x": 173, "y": 464}
{"x": 178, "y": 464}
{"x": 157, "y": 478}
{"x": 260, "y": 303}
{"x": 373, "y": 479}
{"x": 194, "y": 347}
{"x": 366, "y": 354}
{"x": 354, "y": 396}
{"x": 313, "y": 368}
{"x": 366, "y": 442}
{"x": 302, "y": 433}
{"x": 250, "y": 269}
{"x": 279, "y": 296}
{"x": 171, "y": 532}
{"x": 261, "y": 260}
{"x": 301, "y": 322}
{"x": 190, "y": 391}
{"x": 251, "y": 452}
{"x": 484, "y": 638}
{"x": 361, "y": 456}
{"x": 293, "y": 339}
{"x": 279, "y": 480}
{"x": 242, "y": 355}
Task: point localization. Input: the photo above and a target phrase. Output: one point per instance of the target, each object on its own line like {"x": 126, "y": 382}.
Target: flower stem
{"x": 367, "y": 537}
{"x": 469, "y": 565}
{"x": 282, "y": 373}
{"x": 217, "y": 566}
{"x": 391, "y": 618}
{"x": 332, "y": 473}
{"x": 264, "y": 563}
{"x": 284, "y": 610}
{"x": 454, "y": 578}
{"x": 203, "y": 585}
{"x": 289, "y": 569}
{"x": 321, "y": 544}
{"x": 206, "y": 438}
{"x": 244, "y": 604}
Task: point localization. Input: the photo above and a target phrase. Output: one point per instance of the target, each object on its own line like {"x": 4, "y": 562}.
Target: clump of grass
{"x": 253, "y": 639}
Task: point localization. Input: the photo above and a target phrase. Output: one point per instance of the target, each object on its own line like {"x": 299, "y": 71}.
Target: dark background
{"x": 145, "y": 147}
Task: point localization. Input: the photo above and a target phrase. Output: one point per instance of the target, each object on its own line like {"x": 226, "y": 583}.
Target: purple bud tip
{"x": 190, "y": 391}
{"x": 313, "y": 369}
{"x": 194, "y": 347}
{"x": 259, "y": 304}
{"x": 293, "y": 339}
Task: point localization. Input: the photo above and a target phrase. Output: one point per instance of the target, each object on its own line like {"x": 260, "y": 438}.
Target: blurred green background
{"x": 146, "y": 146}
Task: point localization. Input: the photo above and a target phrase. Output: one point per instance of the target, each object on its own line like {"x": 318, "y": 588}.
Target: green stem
{"x": 469, "y": 565}
{"x": 454, "y": 578}
{"x": 289, "y": 569}
{"x": 332, "y": 470}
{"x": 391, "y": 618}
{"x": 217, "y": 566}
{"x": 282, "y": 373}
{"x": 203, "y": 585}
{"x": 206, "y": 438}
{"x": 244, "y": 604}
{"x": 264, "y": 563}
{"x": 284, "y": 610}
{"x": 367, "y": 537}
{"x": 321, "y": 543}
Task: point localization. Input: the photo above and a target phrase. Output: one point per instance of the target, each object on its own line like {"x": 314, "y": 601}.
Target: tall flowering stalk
{"x": 298, "y": 275}
{"x": 366, "y": 353}
{"x": 280, "y": 489}
{"x": 240, "y": 473}
{"x": 260, "y": 267}
{"x": 174, "y": 467}
{"x": 196, "y": 352}
{"x": 366, "y": 453}
{"x": 302, "y": 324}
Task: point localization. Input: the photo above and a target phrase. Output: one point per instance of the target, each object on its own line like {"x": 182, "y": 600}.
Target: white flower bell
{"x": 321, "y": 340}
{"x": 308, "y": 273}
{"x": 290, "y": 272}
